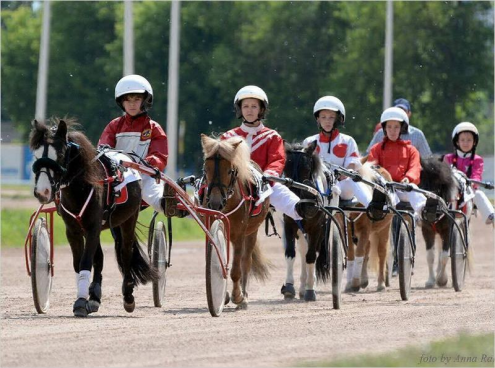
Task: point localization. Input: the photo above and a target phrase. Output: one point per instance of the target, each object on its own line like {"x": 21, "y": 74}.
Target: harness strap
{"x": 79, "y": 216}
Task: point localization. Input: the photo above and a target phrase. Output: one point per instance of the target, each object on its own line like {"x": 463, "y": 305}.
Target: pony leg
{"x": 350, "y": 262}
{"x": 442, "y": 262}
{"x": 246, "y": 263}
{"x": 289, "y": 240}
{"x": 236, "y": 272}
{"x": 123, "y": 249}
{"x": 364, "y": 270}
{"x": 303, "y": 250}
{"x": 310, "y": 294}
{"x": 383, "y": 245}
{"x": 429, "y": 237}
{"x": 95, "y": 287}
{"x": 76, "y": 241}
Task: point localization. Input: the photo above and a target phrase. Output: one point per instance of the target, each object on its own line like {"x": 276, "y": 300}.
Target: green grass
{"x": 15, "y": 224}
{"x": 461, "y": 351}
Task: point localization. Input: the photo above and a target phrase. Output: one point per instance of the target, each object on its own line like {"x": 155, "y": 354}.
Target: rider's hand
{"x": 405, "y": 181}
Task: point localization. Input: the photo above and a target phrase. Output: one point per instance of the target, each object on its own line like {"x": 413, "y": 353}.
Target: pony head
{"x": 225, "y": 161}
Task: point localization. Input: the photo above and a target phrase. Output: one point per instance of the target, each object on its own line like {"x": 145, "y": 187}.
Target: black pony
{"x": 438, "y": 177}
{"x": 67, "y": 172}
{"x": 304, "y": 165}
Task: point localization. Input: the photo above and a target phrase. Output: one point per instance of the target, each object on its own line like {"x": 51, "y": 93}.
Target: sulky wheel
{"x": 41, "y": 267}
{"x": 216, "y": 283}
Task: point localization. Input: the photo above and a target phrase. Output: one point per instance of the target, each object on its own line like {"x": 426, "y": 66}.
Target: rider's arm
{"x": 158, "y": 149}
{"x": 108, "y": 135}
{"x": 276, "y": 156}
{"x": 477, "y": 168}
{"x": 414, "y": 169}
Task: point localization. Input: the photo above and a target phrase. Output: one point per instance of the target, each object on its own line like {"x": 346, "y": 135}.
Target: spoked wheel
{"x": 391, "y": 256}
{"x": 41, "y": 267}
{"x": 160, "y": 262}
{"x": 337, "y": 252}
{"x": 405, "y": 259}
{"x": 216, "y": 284}
{"x": 458, "y": 256}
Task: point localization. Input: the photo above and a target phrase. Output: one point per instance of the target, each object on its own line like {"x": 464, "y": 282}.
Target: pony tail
{"x": 261, "y": 265}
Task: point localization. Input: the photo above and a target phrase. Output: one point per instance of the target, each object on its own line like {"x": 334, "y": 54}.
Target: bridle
{"x": 44, "y": 164}
{"x": 226, "y": 191}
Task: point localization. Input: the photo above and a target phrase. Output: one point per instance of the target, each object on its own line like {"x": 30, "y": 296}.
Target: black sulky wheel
{"x": 458, "y": 256}
{"x": 337, "y": 253}
{"x": 405, "y": 260}
{"x": 41, "y": 267}
{"x": 159, "y": 259}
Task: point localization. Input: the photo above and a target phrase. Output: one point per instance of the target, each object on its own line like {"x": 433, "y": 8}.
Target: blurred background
{"x": 442, "y": 62}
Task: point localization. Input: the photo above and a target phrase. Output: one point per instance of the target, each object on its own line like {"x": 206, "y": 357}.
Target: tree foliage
{"x": 296, "y": 51}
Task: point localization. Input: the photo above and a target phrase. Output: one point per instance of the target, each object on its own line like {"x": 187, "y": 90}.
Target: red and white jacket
{"x": 343, "y": 148}
{"x": 138, "y": 134}
{"x": 267, "y": 147}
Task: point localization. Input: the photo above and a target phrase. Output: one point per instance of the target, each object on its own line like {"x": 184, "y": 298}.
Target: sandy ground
{"x": 271, "y": 332}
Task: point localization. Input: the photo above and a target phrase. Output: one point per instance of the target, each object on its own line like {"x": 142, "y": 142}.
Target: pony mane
{"x": 318, "y": 164}
{"x": 234, "y": 149}
{"x": 437, "y": 177}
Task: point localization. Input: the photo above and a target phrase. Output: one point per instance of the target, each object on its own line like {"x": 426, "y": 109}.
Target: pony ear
{"x": 311, "y": 148}
{"x": 207, "y": 144}
{"x": 35, "y": 124}
{"x": 62, "y": 130}
{"x": 236, "y": 144}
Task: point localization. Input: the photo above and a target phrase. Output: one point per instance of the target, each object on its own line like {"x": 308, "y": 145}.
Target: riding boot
{"x": 169, "y": 203}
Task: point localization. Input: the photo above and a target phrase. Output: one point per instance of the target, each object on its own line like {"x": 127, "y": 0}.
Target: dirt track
{"x": 272, "y": 332}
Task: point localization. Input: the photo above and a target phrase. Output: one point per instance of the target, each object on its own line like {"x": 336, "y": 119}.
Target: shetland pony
{"x": 438, "y": 177}
{"x": 228, "y": 182}
{"x": 368, "y": 239}
{"x": 304, "y": 165}
{"x": 66, "y": 171}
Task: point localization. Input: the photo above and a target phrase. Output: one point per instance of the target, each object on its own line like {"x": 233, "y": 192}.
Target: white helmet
{"x": 330, "y": 103}
{"x": 250, "y": 92}
{"x": 396, "y": 113}
{"x": 134, "y": 84}
{"x": 465, "y": 127}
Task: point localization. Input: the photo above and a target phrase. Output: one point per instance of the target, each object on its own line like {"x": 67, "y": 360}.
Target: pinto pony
{"x": 438, "y": 177}
{"x": 304, "y": 165}
{"x": 67, "y": 172}
{"x": 228, "y": 182}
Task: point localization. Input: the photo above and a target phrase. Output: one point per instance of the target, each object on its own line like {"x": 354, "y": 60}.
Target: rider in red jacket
{"x": 135, "y": 132}
{"x": 399, "y": 157}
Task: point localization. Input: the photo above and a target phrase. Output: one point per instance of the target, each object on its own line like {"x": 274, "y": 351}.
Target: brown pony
{"x": 367, "y": 238}
{"x": 228, "y": 182}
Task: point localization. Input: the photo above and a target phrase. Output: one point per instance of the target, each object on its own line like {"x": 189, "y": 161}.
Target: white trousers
{"x": 416, "y": 199}
{"x": 284, "y": 201}
{"x": 483, "y": 203}
{"x": 152, "y": 192}
{"x": 349, "y": 188}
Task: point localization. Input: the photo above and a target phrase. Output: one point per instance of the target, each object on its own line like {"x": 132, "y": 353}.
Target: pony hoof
{"x": 347, "y": 288}
{"x": 129, "y": 307}
{"x": 380, "y": 288}
{"x": 364, "y": 284}
{"x": 95, "y": 292}
{"x": 310, "y": 296}
{"x": 80, "y": 308}
{"x": 442, "y": 279}
{"x": 242, "y": 306}
{"x": 430, "y": 284}
{"x": 355, "y": 288}
{"x": 238, "y": 300}
{"x": 93, "y": 306}
{"x": 288, "y": 291}
{"x": 227, "y": 298}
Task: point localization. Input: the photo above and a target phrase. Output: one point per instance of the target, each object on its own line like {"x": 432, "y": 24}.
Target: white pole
{"x": 389, "y": 39}
{"x": 173, "y": 89}
{"x": 128, "y": 38}
{"x": 41, "y": 89}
